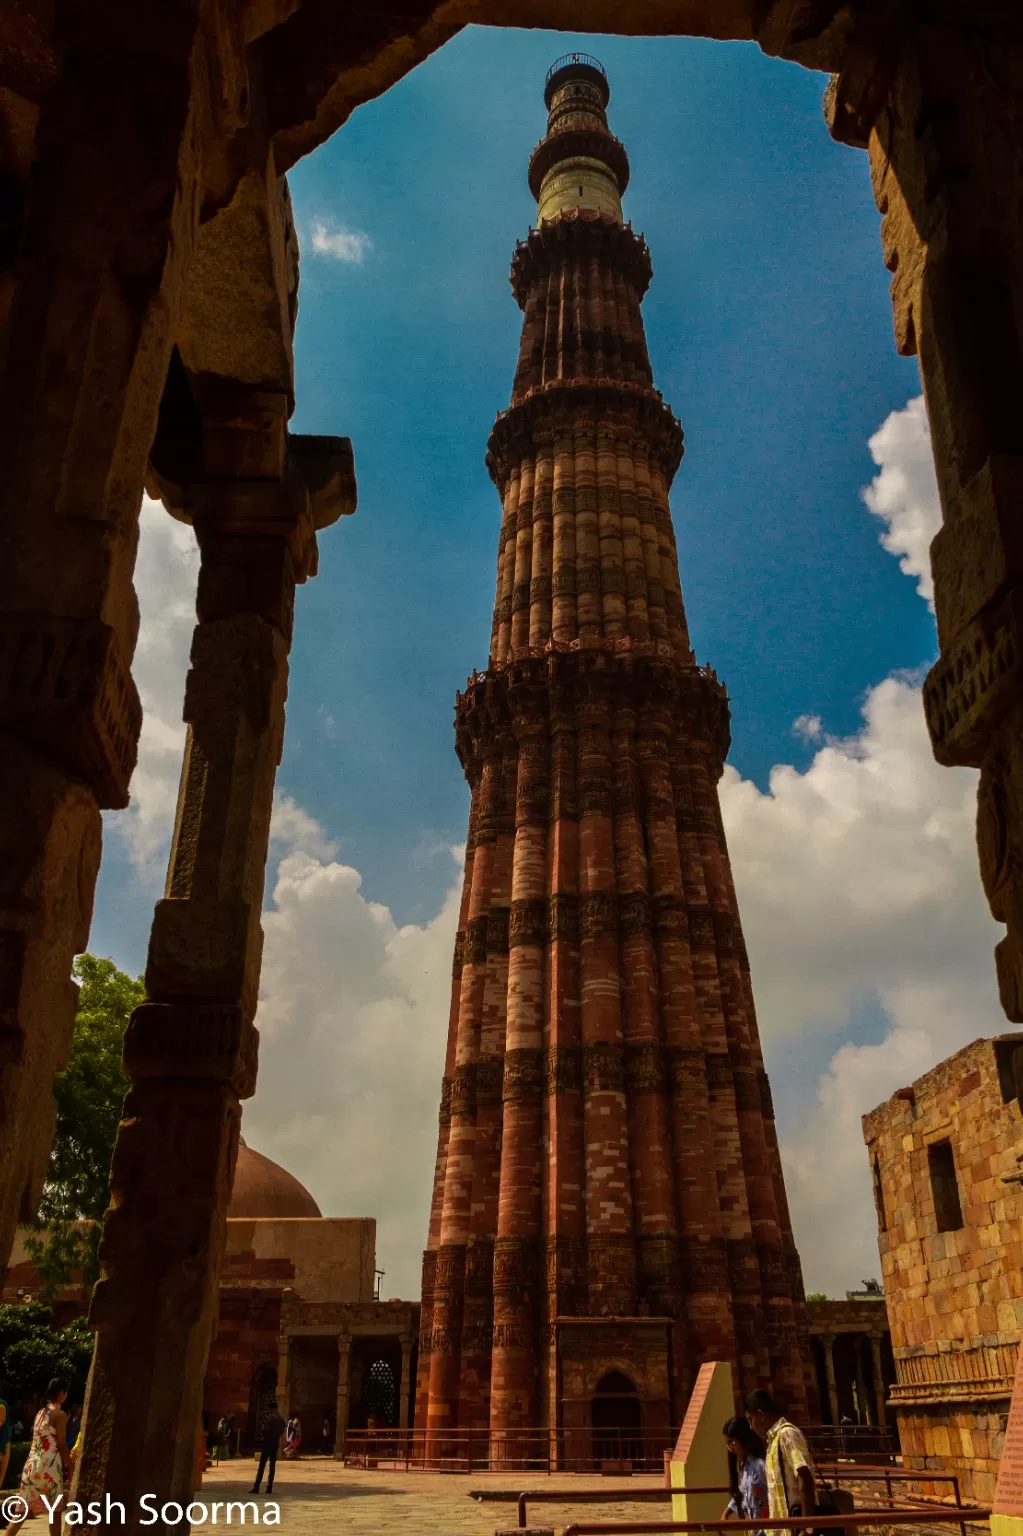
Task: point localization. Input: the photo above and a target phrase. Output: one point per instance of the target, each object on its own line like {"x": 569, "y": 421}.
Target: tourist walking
{"x": 790, "y": 1470}
{"x": 48, "y": 1465}
{"x": 273, "y": 1429}
{"x": 746, "y": 1472}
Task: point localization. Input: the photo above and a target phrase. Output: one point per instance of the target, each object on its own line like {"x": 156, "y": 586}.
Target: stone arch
{"x": 936, "y": 104}
{"x": 616, "y": 1418}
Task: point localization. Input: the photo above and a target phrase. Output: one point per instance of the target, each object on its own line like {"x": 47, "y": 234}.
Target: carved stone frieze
{"x": 747, "y": 1089}
{"x": 563, "y": 917}
{"x": 463, "y": 1092}
{"x": 523, "y": 1068}
{"x": 687, "y": 1069}
{"x": 644, "y": 1069}
{"x": 563, "y": 1069}
{"x": 743, "y": 1270}
{"x": 489, "y": 1080}
{"x": 527, "y": 923}
{"x": 634, "y": 915}
{"x": 449, "y": 1270}
{"x": 705, "y": 1265}
{"x": 497, "y": 931}
{"x": 603, "y": 1068}
{"x": 598, "y": 914}
{"x": 474, "y": 951}
{"x": 515, "y": 1267}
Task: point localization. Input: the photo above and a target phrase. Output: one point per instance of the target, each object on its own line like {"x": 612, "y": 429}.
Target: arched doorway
{"x": 616, "y": 1420}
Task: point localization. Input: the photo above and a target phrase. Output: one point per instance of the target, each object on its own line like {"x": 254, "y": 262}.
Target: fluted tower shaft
{"x": 607, "y": 1147}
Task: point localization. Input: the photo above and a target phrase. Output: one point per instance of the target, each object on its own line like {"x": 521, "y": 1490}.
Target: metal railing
{"x": 665, "y": 1495}
{"x": 603, "y": 1496}
{"x": 574, "y": 58}
{"x": 579, "y": 1449}
{"x": 864, "y": 1442}
{"x": 851, "y": 1473}
{"x": 858, "y": 1519}
{"x": 512, "y": 1450}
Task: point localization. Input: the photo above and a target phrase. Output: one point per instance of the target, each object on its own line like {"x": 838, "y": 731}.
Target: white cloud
{"x": 342, "y": 244}
{"x": 858, "y": 885}
{"x": 353, "y": 1021}
{"x": 860, "y": 893}
{"x": 165, "y": 577}
{"x": 808, "y": 727}
{"x": 905, "y": 493}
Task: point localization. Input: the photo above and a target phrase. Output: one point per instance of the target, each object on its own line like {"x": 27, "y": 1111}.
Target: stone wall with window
{"x": 943, "y": 1156}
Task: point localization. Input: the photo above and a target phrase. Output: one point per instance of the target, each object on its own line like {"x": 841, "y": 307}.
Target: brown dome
{"x": 264, "y": 1189}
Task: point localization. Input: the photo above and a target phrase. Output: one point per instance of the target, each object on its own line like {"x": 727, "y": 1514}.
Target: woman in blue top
{"x": 746, "y": 1472}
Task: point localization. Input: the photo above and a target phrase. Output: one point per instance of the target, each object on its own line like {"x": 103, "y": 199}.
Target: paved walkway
{"x": 321, "y": 1496}
{"x": 317, "y": 1496}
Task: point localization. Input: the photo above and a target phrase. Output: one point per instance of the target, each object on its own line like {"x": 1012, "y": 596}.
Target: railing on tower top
{"x": 574, "y": 58}
{"x": 576, "y": 1449}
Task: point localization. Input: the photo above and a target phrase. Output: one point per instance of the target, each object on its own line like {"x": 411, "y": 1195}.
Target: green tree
{"x": 89, "y": 1093}
{"x": 32, "y": 1351}
{"x": 817, "y": 1296}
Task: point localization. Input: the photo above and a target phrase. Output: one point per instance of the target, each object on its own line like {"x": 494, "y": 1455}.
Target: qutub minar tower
{"x": 609, "y": 1209}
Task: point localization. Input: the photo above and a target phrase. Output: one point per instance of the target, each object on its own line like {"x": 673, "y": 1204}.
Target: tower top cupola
{"x": 579, "y": 164}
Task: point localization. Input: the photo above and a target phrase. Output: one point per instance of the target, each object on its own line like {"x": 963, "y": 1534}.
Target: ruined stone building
{"x": 299, "y": 1324}
{"x": 943, "y": 1156}
{"x": 609, "y": 1208}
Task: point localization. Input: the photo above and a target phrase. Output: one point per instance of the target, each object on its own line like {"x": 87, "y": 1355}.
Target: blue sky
{"x": 770, "y": 334}
{"x": 769, "y": 328}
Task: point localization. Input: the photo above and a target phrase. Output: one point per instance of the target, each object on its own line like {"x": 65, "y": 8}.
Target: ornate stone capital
{"x": 193, "y": 1040}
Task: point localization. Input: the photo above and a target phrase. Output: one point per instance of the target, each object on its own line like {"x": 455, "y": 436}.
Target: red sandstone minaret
{"x": 609, "y": 1194}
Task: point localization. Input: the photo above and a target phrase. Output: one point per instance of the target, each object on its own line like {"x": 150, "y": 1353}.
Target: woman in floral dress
{"x": 48, "y": 1463}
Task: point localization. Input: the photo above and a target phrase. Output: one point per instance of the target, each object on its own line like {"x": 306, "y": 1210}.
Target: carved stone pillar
{"x": 82, "y": 364}
{"x": 828, "y": 1346}
{"x": 403, "y": 1392}
{"x": 190, "y": 1049}
{"x": 344, "y": 1356}
{"x": 940, "y": 110}
{"x": 879, "y": 1392}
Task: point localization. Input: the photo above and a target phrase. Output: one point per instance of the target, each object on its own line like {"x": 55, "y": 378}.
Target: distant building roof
{"x": 263, "y": 1189}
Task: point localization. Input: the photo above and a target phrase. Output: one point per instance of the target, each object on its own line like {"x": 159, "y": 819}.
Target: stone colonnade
{"x": 144, "y": 244}
{"x": 876, "y": 1408}
{"x": 345, "y": 1338}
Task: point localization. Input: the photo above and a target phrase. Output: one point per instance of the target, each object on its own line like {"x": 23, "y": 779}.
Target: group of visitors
{"x": 770, "y": 1467}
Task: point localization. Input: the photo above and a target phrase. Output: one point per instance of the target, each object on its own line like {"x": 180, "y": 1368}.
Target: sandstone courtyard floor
{"x": 319, "y": 1495}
